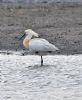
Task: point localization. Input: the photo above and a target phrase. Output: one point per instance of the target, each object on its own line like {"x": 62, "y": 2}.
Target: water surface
{"x": 22, "y": 77}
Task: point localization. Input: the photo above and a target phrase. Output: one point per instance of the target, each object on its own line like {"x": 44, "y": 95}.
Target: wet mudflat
{"x": 60, "y": 24}
{"x": 22, "y": 77}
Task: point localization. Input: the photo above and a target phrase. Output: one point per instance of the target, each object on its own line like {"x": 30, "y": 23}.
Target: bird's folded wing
{"x": 41, "y": 45}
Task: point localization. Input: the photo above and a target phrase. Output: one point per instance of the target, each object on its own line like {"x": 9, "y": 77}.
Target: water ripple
{"x": 22, "y": 77}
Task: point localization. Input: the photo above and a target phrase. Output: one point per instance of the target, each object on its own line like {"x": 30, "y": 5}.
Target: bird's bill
{"x": 22, "y": 36}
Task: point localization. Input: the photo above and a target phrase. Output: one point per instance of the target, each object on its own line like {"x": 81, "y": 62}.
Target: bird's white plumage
{"x": 31, "y": 32}
{"x": 37, "y": 44}
{"x": 41, "y": 45}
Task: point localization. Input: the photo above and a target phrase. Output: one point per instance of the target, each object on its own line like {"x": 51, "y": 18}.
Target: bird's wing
{"x": 39, "y": 44}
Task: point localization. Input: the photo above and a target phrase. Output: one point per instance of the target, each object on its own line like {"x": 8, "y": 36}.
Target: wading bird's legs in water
{"x": 41, "y": 61}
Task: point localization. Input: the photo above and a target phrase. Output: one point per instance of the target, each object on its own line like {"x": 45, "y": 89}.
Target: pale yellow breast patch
{"x": 26, "y": 43}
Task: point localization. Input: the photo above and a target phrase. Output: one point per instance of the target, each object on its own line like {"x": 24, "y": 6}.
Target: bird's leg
{"x": 41, "y": 61}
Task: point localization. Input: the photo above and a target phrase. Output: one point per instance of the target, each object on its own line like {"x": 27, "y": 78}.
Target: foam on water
{"x": 22, "y": 77}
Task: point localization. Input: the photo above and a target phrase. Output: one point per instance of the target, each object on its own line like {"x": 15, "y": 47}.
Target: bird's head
{"x": 31, "y": 32}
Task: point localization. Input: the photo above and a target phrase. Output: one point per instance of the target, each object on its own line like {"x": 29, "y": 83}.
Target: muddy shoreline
{"x": 60, "y": 25}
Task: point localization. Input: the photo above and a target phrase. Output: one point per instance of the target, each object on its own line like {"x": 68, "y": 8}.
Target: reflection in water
{"x": 22, "y": 77}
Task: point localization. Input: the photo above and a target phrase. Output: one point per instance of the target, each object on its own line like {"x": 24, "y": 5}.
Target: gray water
{"x": 22, "y": 77}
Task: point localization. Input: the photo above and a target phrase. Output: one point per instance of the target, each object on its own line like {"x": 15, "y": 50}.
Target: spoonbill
{"x": 38, "y": 46}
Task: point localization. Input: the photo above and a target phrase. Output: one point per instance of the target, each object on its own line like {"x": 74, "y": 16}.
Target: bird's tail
{"x": 54, "y": 48}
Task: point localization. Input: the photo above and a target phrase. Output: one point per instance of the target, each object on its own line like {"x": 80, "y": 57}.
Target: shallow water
{"x": 22, "y": 77}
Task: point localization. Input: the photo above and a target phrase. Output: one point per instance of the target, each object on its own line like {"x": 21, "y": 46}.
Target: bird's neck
{"x": 26, "y": 41}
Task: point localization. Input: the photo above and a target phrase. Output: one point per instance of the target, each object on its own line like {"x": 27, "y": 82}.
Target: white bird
{"x": 37, "y": 45}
